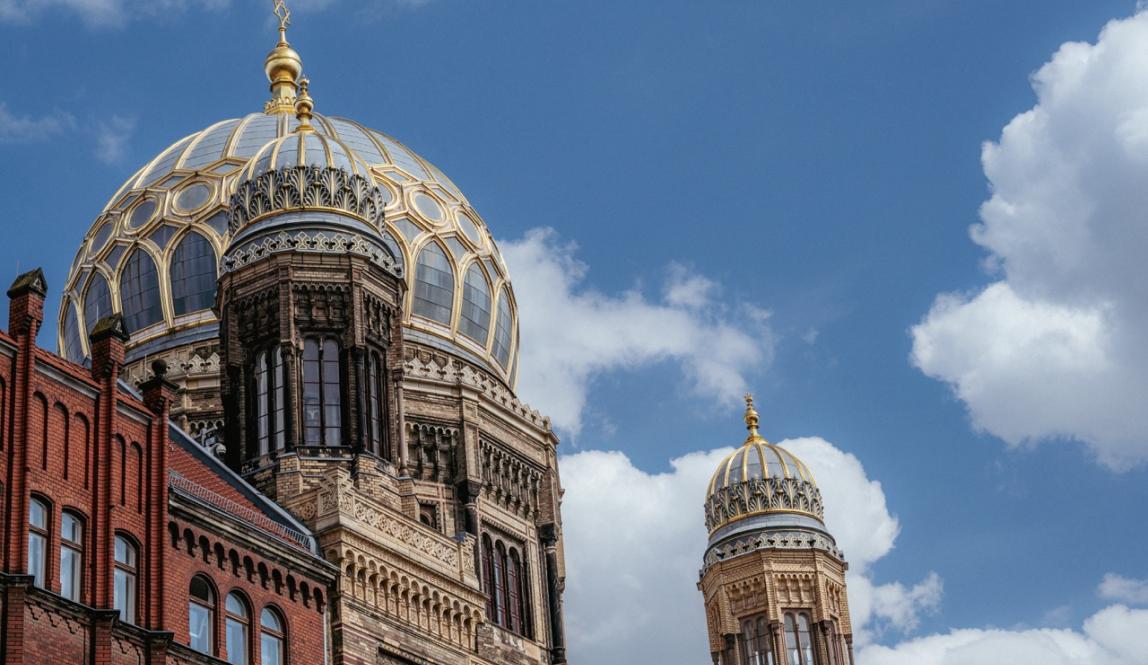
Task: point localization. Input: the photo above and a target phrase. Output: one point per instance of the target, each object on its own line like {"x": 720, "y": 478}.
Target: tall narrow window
{"x": 797, "y": 639}
{"x": 261, "y": 416}
{"x": 237, "y": 624}
{"x": 97, "y": 302}
{"x": 272, "y": 636}
{"x": 124, "y": 582}
{"x": 503, "y": 328}
{"x": 332, "y": 405}
{"x": 434, "y": 285}
{"x": 375, "y": 395}
{"x": 279, "y": 402}
{"x": 71, "y": 555}
{"x": 192, "y": 275}
{"x": 488, "y": 578}
{"x": 38, "y": 541}
{"x": 139, "y": 292}
{"x": 500, "y": 584}
{"x": 514, "y": 592}
{"x": 475, "y": 322}
{"x": 201, "y": 615}
{"x": 322, "y": 393}
{"x": 755, "y": 644}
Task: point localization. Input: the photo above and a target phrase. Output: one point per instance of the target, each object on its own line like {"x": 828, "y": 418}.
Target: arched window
{"x": 262, "y": 383}
{"x": 503, "y": 329}
{"x": 514, "y": 592}
{"x": 376, "y": 405}
{"x": 97, "y": 302}
{"x": 72, "y": 349}
{"x": 71, "y": 555}
{"x": 201, "y": 615}
{"x": 124, "y": 581}
{"x": 475, "y": 322}
{"x": 488, "y": 578}
{"x": 434, "y": 285}
{"x": 798, "y": 642}
{"x": 322, "y": 393}
{"x": 237, "y": 628}
{"x": 272, "y": 637}
{"x": 755, "y": 641}
{"x": 38, "y": 512}
{"x": 193, "y": 275}
{"x": 500, "y": 584}
{"x": 270, "y": 395}
{"x": 139, "y": 292}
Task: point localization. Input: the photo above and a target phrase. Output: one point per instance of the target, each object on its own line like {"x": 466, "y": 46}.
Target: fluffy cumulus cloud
{"x": 1053, "y": 348}
{"x": 572, "y": 333}
{"x": 1124, "y": 589}
{"x": 99, "y": 13}
{"x": 1116, "y": 635}
{"x": 638, "y": 577}
{"x": 16, "y": 128}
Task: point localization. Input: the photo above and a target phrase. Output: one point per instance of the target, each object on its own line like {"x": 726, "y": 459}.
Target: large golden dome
{"x": 154, "y": 252}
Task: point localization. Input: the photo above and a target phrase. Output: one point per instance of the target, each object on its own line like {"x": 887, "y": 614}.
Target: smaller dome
{"x": 301, "y": 148}
{"x": 761, "y": 486}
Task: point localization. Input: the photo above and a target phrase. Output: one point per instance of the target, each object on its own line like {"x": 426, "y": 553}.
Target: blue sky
{"x": 820, "y": 163}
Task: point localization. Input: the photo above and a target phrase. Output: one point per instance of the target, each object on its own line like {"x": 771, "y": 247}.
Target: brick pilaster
{"x": 159, "y": 394}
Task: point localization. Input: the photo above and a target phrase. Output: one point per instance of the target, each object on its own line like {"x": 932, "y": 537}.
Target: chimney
{"x": 108, "y": 339}
{"x": 26, "y": 303}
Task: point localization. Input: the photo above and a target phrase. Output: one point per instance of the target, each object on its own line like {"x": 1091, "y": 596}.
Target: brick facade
{"x": 79, "y": 441}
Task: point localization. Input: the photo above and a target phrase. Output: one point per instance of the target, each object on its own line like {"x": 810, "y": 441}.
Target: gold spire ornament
{"x": 751, "y": 421}
{"x": 304, "y": 106}
{"x": 283, "y": 67}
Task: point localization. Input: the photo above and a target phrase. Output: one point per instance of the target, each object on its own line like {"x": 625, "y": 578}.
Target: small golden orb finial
{"x": 304, "y": 106}
{"x": 751, "y": 420}
{"x": 283, "y": 67}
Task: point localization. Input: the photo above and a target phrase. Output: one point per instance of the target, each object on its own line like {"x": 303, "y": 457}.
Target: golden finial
{"x": 304, "y": 105}
{"x": 751, "y": 420}
{"x": 283, "y": 66}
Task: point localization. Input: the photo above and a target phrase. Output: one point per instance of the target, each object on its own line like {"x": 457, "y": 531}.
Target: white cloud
{"x": 1116, "y": 635}
{"x": 112, "y": 137}
{"x": 26, "y": 129}
{"x": 1053, "y": 349}
{"x": 638, "y": 577}
{"x": 572, "y": 333}
{"x": 100, "y": 13}
{"x": 1123, "y": 589}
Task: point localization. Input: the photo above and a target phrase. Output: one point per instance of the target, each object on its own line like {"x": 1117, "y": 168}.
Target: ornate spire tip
{"x": 751, "y": 419}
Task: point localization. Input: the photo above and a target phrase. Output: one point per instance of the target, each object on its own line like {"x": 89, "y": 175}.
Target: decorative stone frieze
{"x": 760, "y": 495}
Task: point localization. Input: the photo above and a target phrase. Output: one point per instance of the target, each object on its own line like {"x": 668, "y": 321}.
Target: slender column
{"x": 360, "y": 440}
{"x": 549, "y": 537}
{"x": 780, "y": 656}
{"x": 290, "y": 394}
{"x": 401, "y": 428}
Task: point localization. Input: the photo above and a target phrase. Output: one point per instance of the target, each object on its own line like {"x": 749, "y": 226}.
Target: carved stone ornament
{"x": 762, "y": 495}
{"x": 296, "y": 188}
{"x": 327, "y": 242}
{"x": 771, "y": 540}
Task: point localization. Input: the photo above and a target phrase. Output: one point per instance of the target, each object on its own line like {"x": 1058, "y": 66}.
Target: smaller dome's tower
{"x": 309, "y": 303}
{"x": 772, "y": 579}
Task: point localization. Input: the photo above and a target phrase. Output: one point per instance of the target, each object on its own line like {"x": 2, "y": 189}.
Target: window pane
{"x": 279, "y": 376}
{"x": 475, "y": 322}
{"x": 332, "y": 402}
{"x": 125, "y": 552}
{"x": 124, "y": 595}
{"x": 193, "y": 275}
{"x": 70, "y": 573}
{"x": 503, "y": 329}
{"x": 36, "y": 546}
{"x": 803, "y": 636}
{"x": 72, "y": 349}
{"x": 199, "y": 627}
{"x": 139, "y": 292}
{"x": 271, "y": 649}
{"x": 269, "y": 619}
{"x": 791, "y": 640}
{"x": 434, "y": 285}
{"x": 261, "y": 423}
{"x": 312, "y": 407}
{"x": 236, "y": 641}
{"x": 97, "y": 301}
{"x": 38, "y": 514}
